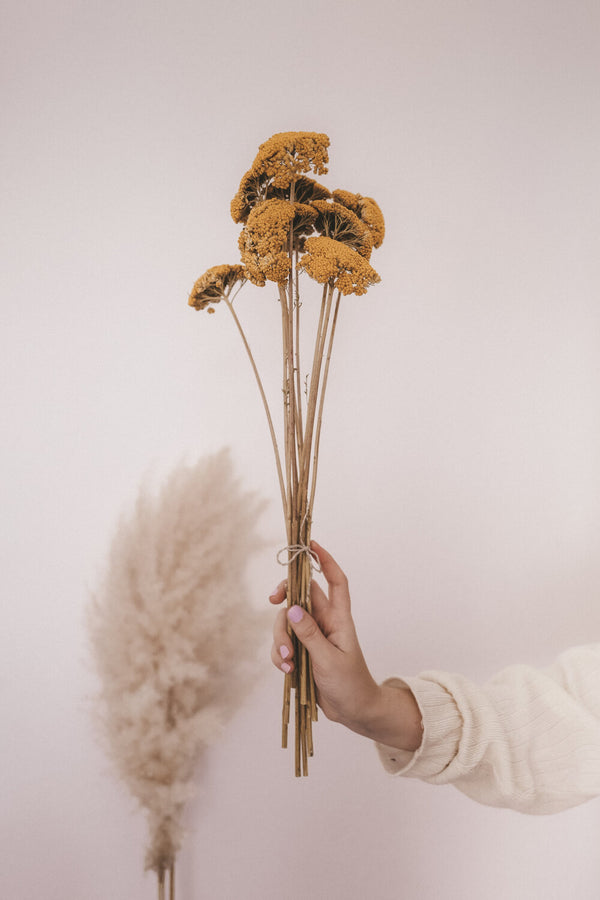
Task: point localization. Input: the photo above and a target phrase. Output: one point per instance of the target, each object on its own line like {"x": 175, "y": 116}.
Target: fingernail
{"x": 273, "y": 594}
{"x": 295, "y": 613}
{"x": 284, "y": 652}
{"x": 286, "y": 668}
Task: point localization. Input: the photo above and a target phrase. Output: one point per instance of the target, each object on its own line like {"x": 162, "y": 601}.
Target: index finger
{"x": 339, "y": 592}
{"x": 279, "y": 594}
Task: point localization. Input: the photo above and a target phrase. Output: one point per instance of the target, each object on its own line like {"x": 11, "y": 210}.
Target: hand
{"x": 346, "y": 690}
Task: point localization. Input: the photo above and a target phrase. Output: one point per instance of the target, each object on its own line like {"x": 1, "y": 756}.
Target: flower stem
{"x": 264, "y": 399}
{"x": 314, "y": 383}
{"x": 299, "y": 429}
{"x": 321, "y": 404}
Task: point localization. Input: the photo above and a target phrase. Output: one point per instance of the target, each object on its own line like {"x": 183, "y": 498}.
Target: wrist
{"x": 393, "y": 718}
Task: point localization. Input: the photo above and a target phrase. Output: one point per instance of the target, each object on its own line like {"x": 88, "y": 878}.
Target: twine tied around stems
{"x": 294, "y": 551}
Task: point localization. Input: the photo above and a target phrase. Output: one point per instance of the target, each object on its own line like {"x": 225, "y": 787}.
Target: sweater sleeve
{"x": 528, "y": 739}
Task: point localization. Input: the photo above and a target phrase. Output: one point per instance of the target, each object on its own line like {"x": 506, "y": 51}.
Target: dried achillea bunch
{"x": 294, "y": 227}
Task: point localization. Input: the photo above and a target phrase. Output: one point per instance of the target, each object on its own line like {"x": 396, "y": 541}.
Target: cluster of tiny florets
{"x": 264, "y": 242}
{"x": 215, "y": 284}
{"x": 327, "y": 260}
{"x": 286, "y": 156}
{"x": 367, "y": 211}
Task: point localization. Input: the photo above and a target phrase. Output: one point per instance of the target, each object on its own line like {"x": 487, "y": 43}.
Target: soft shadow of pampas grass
{"x": 174, "y": 637}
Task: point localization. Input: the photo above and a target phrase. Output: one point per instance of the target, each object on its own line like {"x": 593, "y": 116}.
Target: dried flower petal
{"x": 216, "y": 283}
{"x": 331, "y": 261}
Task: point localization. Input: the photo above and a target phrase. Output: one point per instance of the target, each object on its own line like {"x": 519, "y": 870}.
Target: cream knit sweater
{"x": 528, "y": 739}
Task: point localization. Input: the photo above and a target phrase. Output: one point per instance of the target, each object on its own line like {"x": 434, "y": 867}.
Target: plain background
{"x": 460, "y": 476}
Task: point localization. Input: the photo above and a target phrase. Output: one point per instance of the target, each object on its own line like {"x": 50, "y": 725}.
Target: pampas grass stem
{"x": 166, "y": 631}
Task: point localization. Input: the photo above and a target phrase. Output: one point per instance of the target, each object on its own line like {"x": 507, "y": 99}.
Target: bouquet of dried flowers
{"x": 165, "y": 632}
{"x": 293, "y": 226}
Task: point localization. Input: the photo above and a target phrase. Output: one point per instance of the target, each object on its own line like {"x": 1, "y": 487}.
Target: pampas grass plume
{"x": 174, "y": 637}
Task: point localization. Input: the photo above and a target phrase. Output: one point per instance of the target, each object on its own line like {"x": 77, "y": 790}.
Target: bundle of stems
{"x": 295, "y": 226}
{"x": 297, "y": 474}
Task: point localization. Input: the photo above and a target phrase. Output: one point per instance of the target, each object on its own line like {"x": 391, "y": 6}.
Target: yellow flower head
{"x": 264, "y": 242}
{"x": 215, "y": 284}
{"x": 341, "y": 224}
{"x": 286, "y": 156}
{"x": 367, "y": 211}
{"x": 340, "y": 265}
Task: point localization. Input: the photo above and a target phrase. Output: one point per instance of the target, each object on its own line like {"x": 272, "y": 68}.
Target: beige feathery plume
{"x": 174, "y": 638}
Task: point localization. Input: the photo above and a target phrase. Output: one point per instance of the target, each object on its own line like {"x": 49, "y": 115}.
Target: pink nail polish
{"x": 286, "y": 668}
{"x": 284, "y": 652}
{"x": 295, "y": 614}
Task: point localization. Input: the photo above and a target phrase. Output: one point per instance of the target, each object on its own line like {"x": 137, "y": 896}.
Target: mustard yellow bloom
{"x": 216, "y": 283}
{"x": 286, "y": 156}
{"x": 348, "y": 199}
{"x": 331, "y": 261}
{"x": 367, "y": 211}
{"x": 341, "y": 224}
{"x": 264, "y": 241}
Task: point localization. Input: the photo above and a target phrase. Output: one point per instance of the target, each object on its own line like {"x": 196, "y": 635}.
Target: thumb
{"x": 308, "y": 633}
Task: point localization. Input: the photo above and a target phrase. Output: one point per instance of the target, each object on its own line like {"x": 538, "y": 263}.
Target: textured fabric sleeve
{"x": 528, "y": 739}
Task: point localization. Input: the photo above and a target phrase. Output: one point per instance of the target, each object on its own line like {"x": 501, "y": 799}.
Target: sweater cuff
{"x": 442, "y": 728}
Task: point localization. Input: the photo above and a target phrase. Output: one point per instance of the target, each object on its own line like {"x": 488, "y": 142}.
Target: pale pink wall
{"x": 460, "y": 482}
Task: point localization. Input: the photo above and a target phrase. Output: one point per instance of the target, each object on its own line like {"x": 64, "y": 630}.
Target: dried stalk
{"x": 229, "y": 303}
{"x": 321, "y": 404}
{"x": 166, "y": 876}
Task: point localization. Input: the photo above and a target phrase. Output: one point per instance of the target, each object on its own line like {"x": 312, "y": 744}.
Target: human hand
{"x": 346, "y": 690}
